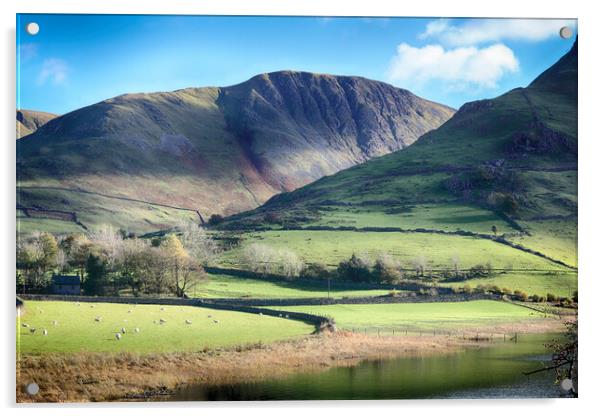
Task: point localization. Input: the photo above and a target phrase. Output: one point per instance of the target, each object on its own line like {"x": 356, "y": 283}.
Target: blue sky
{"x": 77, "y": 60}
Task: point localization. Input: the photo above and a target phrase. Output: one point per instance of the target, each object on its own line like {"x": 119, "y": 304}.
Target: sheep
{"x": 162, "y": 309}
{"x": 118, "y": 336}
{"x": 123, "y": 330}
{"x": 280, "y": 315}
{"x": 162, "y": 321}
{"x": 188, "y": 321}
{"x": 32, "y": 330}
{"x": 98, "y": 319}
{"x": 45, "y": 332}
{"x": 216, "y": 321}
{"x": 55, "y": 322}
{"x": 130, "y": 311}
{"x": 209, "y": 316}
{"x": 25, "y": 325}
{"x": 260, "y": 314}
{"x": 286, "y": 316}
{"x": 136, "y": 330}
{"x": 92, "y": 306}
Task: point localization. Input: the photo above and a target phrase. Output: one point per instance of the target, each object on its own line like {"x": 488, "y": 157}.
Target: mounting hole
{"x": 32, "y": 389}
{"x": 32, "y": 28}
{"x": 566, "y": 384}
{"x": 566, "y": 32}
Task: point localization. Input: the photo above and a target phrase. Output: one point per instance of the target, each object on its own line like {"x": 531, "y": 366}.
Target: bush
{"x": 521, "y": 295}
{"x": 386, "y": 271}
{"x": 467, "y": 289}
{"x": 316, "y": 271}
{"x": 272, "y": 218}
{"x": 354, "y": 269}
{"x": 551, "y": 297}
{"x": 215, "y": 219}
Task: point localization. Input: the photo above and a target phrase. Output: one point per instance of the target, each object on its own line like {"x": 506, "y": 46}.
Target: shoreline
{"x": 84, "y": 377}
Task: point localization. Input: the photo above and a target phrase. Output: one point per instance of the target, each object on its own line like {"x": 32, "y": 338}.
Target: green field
{"x": 559, "y": 284}
{"x": 451, "y": 217}
{"x": 422, "y": 316}
{"x": 77, "y": 330}
{"x": 226, "y": 286}
{"x": 331, "y": 247}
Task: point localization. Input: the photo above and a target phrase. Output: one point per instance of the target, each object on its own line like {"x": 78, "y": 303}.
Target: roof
{"x": 65, "y": 280}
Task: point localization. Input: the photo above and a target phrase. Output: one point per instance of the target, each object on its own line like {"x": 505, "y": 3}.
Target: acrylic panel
{"x": 295, "y": 208}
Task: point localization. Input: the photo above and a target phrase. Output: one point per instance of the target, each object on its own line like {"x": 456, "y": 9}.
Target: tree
{"x": 132, "y": 263}
{"x": 184, "y": 271}
{"x": 385, "y": 270}
{"x": 77, "y": 248}
{"x": 419, "y": 265}
{"x": 354, "y": 269}
{"x": 197, "y": 242}
{"x": 215, "y": 219}
{"x": 289, "y": 264}
{"x": 109, "y": 241}
{"x": 259, "y": 258}
{"x": 96, "y": 269}
{"x": 35, "y": 257}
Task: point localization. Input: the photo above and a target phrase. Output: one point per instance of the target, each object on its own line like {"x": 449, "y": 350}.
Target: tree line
{"x": 108, "y": 261}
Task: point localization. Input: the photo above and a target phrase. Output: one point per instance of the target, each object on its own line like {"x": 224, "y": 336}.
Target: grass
{"x": 30, "y": 225}
{"x": 77, "y": 330}
{"x": 450, "y": 217}
{"x": 559, "y": 284}
{"x": 331, "y": 247}
{"x": 423, "y": 316}
{"x": 226, "y": 286}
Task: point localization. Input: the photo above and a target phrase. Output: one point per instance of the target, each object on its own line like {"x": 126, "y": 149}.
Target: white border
{"x": 589, "y": 201}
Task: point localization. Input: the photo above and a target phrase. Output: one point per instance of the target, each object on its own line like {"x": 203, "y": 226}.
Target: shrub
{"x": 316, "y": 271}
{"x": 467, "y": 289}
{"x": 215, "y": 219}
{"x": 521, "y": 295}
{"x": 354, "y": 269}
{"x": 272, "y": 218}
{"x": 385, "y": 270}
{"x": 551, "y": 297}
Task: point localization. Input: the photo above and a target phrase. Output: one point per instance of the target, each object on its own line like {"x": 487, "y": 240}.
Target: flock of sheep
{"x": 98, "y": 318}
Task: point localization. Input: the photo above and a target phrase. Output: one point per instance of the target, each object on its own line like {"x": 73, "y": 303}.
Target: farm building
{"x": 66, "y": 285}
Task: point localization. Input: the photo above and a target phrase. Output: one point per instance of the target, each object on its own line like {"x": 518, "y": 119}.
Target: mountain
{"x": 29, "y": 121}
{"x": 213, "y": 150}
{"x": 513, "y": 158}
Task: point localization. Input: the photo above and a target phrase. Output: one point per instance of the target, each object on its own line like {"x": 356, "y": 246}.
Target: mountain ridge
{"x": 224, "y": 149}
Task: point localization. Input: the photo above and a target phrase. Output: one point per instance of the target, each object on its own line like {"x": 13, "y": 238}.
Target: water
{"x": 489, "y": 372}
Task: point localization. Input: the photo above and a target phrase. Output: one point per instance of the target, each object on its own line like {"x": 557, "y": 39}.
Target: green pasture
{"x": 76, "y": 329}
{"x": 437, "y": 250}
{"x": 422, "y": 316}
{"x": 226, "y": 286}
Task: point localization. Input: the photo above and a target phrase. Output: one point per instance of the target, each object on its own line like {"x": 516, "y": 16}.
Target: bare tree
{"x": 110, "y": 241}
{"x": 197, "y": 242}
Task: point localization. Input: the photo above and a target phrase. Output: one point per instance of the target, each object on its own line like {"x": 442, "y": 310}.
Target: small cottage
{"x": 66, "y": 285}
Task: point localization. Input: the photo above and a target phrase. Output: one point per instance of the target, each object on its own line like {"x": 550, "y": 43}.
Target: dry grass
{"x": 106, "y": 377}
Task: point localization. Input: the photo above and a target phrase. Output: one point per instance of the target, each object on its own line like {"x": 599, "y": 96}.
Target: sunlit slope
{"x": 505, "y": 166}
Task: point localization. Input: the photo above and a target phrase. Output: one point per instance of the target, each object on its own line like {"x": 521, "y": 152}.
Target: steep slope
{"x": 216, "y": 150}
{"x": 508, "y": 162}
{"x": 29, "y": 121}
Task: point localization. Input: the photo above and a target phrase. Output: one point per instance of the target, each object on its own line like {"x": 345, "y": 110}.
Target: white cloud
{"x": 478, "y": 31}
{"x": 54, "y": 70}
{"x": 460, "y": 68}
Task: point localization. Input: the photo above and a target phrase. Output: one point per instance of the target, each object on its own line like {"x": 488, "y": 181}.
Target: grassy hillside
{"x": 216, "y": 150}
{"x": 29, "y": 121}
{"x": 503, "y": 169}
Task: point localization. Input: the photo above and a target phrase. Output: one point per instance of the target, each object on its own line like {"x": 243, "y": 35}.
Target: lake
{"x": 491, "y": 371}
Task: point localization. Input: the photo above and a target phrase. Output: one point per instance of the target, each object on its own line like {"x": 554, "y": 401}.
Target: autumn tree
{"x": 197, "y": 242}
{"x": 184, "y": 271}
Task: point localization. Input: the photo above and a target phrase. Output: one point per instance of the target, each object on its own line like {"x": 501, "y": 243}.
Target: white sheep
{"x": 98, "y": 319}
{"x": 118, "y": 336}
{"x": 216, "y": 321}
{"x": 25, "y": 325}
{"x": 123, "y": 330}
{"x": 45, "y": 332}
{"x": 55, "y": 322}
{"x": 130, "y": 311}
{"x": 136, "y": 330}
{"x": 188, "y": 321}
{"x": 162, "y": 321}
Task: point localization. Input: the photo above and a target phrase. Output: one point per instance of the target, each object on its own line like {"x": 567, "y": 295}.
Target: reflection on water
{"x": 489, "y": 372}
